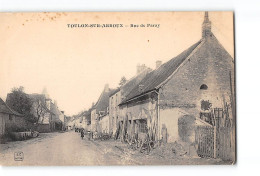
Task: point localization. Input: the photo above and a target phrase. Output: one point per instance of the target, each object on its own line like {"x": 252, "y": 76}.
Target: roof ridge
{"x": 98, "y": 99}
{"x": 183, "y": 52}
{"x": 156, "y": 77}
{"x": 215, "y": 38}
{"x": 10, "y": 110}
{"x": 136, "y": 75}
{"x": 182, "y": 63}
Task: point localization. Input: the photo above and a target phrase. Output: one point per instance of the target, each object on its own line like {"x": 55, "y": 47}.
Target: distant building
{"x": 114, "y": 100}
{"x": 100, "y": 110}
{"x": 57, "y": 121}
{"x": 41, "y": 108}
{"x": 51, "y": 118}
{"x": 104, "y": 123}
{"x": 78, "y": 121}
{"x": 87, "y": 120}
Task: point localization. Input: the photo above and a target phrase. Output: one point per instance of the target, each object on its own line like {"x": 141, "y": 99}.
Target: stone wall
{"x": 15, "y": 123}
{"x": 43, "y": 128}
{"x": 93, "y": 120}
{"x": 141, "y": 109}
{"x": 104, "y": 124}
{"x": 210, "y": 65}
{"x": 114, "y": 100}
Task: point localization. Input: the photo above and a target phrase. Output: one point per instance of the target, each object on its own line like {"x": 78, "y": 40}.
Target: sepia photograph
{"x": 117, "y": 88}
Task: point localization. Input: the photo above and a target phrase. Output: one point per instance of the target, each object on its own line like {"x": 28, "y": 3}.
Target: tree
{"x": 20, "y": 102}
{"x": 40, "y": 108}
{"x": 122, "y": 81}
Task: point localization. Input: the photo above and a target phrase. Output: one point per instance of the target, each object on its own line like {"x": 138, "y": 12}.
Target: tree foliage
{"x": 39, "y": 108}
{"x": 123, "y": 80}
{"x": 20, "y": 102}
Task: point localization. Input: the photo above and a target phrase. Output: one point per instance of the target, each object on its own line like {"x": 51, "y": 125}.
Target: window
{"x": 203, "y": 87}
{"x": 10, "y": 117}
{"x": 143, "y": 126}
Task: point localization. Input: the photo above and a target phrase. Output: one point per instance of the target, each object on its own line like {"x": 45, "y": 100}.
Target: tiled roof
{"x": 103, "y": 101}
{"x": 114, "y": 92}
{"x": 4, "y": 108}
{"x": 156, "y": 77}
{"x": 129, "y": 85}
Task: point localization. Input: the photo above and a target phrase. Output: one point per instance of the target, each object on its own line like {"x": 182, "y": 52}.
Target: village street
{"x": 69, "y": 149}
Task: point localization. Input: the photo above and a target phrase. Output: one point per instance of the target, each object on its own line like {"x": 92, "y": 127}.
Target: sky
{"x": 39, "y": 50}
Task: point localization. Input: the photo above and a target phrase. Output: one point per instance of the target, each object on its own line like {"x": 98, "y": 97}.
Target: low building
{"x": 10, "y": 120}
{"x": 116, "y": 114}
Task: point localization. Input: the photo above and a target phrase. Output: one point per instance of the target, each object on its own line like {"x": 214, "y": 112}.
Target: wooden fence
{"x": 224, "y": 143}
{"x": 214, "y": 143}
{"x": 204, "y": 138}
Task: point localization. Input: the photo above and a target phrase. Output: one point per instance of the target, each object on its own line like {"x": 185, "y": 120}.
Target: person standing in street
{"x": 82, "y": 133}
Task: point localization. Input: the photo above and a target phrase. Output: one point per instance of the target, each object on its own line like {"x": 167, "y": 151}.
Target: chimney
{"x": 106, "y": 89}
{"x": 140, "y": 68}
{"x": 45, "y": 93}
{"x": 206, "y": 26}
{"x": 158, "y": 64}
{"x": 55, "y": 102}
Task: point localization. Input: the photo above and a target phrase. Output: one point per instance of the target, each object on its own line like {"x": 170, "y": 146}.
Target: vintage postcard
{"x": 117, "y": 88}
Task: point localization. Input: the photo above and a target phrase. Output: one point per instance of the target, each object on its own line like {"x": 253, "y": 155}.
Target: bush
{"x": 16, "y": 128}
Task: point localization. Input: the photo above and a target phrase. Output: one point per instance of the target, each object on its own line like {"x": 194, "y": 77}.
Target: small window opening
{"x": 10, "y": 117}
{"x": 203, "y": 87}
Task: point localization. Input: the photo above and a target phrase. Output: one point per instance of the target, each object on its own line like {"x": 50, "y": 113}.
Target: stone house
{"x": 10, "y": 120}
{"x": 116, "y": 114}
{"x": 78, "y": 122}
{"x": 114, "y": 101}
{"x": 170, "y": 98}
{"x": 51, "y": 118}
{"x": 100, "y": 109}
{"x": 41, "y": 106}
{"x": 57, "y": 121}
{"x": 87, "y": 120}
{"x": 104, "y": 123}
{"x": 41, "y": 110}
{"x": 82, "y": 120}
